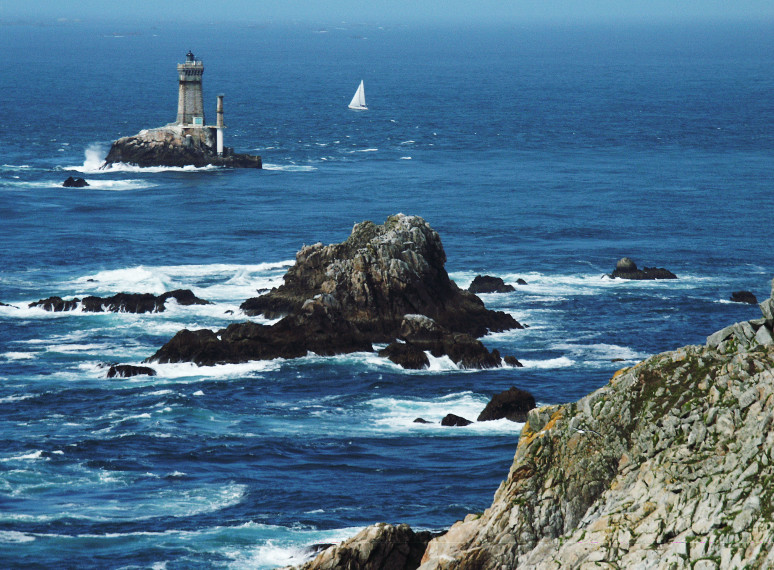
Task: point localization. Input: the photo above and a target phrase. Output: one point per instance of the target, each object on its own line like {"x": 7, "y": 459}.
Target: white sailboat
{"x": 358, "y": 101}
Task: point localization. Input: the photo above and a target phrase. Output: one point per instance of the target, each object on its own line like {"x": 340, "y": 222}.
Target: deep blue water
{"x": 540, "y": 153}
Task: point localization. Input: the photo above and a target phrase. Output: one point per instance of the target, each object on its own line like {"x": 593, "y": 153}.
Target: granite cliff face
{"x": 670, "y": 465}
{"x": 174, "y": 145}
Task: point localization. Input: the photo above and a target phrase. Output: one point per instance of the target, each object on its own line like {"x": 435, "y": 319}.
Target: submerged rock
{"x": 489, "y": 284}
{"x": 71, "y": 182}
{"x": 175, "y": 145}
{"x": 121, "y": 302}
{"x": 129, "y": 370}
{"x": 512, "y": 404}
{"x": 627, "y": 269}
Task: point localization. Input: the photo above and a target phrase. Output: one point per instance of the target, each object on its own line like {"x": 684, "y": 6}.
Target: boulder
{"x": 175, "y": 145}
{"x": 627, "y": 269}
{"x": 421, "y": 421}
{"x": 744, "y": 297}
{"x": 512, "y": 404}
{"x": 121, "y": 302}
{"x": 378, "y": 547}
{"x": 406, "y": 355}
{"x": 520, "y": 281}
{"x": 71, "y": 182}
{"x": 489, "y": 284}
{"x": 455, "y": 421}
{"x": 128, "y": 370}
{"x": 512, "y": 361}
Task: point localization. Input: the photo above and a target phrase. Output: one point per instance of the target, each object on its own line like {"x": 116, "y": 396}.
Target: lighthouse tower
{"x": 190, "y": 103}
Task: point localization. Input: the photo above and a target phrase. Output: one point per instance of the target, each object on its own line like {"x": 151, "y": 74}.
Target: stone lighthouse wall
{"x": 190, "y": 102}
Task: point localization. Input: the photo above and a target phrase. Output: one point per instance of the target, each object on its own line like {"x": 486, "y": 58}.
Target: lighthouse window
{"x": 198, "y": 120}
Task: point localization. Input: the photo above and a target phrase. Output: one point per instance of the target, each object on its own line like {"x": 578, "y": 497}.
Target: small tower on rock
{"x": 190, "y": 103}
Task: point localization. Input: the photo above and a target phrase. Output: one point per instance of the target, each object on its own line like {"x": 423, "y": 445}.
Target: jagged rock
{"x": 129, "y": 370}
{"x": 378, "y": 547}
{"x": 489, "y": 284}
{"x": 512, "y": 361}
{"x": 627, "y": 269}
{"x": 406, "y": 355}
{"x": 378, "y": 275}
{"x": 744, "y": 297}
{"x": 316, "y": 328}
{"x": 174, "y": 145}
{"x": 512, "y": 404}
{"x": 455, "y": 421}
{"x": 420, "y": 334}
{"x": 121, "y": 302}
{"x": 71, "y": 182}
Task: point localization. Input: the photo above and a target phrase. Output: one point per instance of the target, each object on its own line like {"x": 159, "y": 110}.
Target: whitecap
{"x": 560, "y": 362}
{"x": 14, "y": 537}
{"x": 19, "y": 355}
{"x": 25, "y": 457}
{"x": 405, "y": 158}
{"x": 289, "y": 167}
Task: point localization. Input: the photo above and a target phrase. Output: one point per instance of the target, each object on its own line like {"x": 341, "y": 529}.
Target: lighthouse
{"x": 190, "y": 103}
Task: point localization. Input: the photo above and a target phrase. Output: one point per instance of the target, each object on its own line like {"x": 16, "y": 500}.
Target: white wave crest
{"x": 560, "y": 362}
{"x": 289, "y": 167}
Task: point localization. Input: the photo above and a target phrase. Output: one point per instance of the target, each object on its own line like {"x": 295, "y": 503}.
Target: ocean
{"x": 538, "y": 152}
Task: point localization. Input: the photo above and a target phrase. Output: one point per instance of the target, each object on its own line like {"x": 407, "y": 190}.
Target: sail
{"x": 358, "y": 101}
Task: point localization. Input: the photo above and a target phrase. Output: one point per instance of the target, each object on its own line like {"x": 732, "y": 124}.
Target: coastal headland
{"x": 669, "y": 465}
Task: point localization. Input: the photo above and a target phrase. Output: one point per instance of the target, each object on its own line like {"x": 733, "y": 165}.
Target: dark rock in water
{"x": 313, "y": 329}
{"x": 175, "y": 145}
{"x": 513, "y": 404}
{"x": 406, "y": 355}
{"x": 520, "y": 281}
{"x": 121, "y": 302}
{"x": 343, "y": 297}
{"x": 56, "y": 304}
{"x": 378, "y": 547}
{"x": 455, "y": 421}
{"x": 744, "y": 297}
{"x": 378, "y": 275}
{"x": 627, "y": 269}
{"x": 420, "y": 334}
{"x": 421, "y": 421}
{"x": 74, "y": 182}
{"x": 489, "y": 284}
{"x": 128, "y": 370}
{"x": 512, "y": 361}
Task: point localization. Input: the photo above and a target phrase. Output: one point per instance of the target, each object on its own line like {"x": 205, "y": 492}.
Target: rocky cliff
{"x": 670, "y": 465}
{"x": 173, "y": 145}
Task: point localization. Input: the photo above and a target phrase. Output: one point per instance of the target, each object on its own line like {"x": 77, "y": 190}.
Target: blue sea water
{"x": 542, "y": 153}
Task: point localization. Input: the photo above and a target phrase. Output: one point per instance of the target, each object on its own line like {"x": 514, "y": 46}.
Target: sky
{"x": 390, "y": 11}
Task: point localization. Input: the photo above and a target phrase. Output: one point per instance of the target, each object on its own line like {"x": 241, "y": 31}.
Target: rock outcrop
{"x": 669, "y": 465}
{"x": 174, "y": 145}
{"x": 121, "y": 302}
{"x": 513, "y": 404}
{"x": 378, "y": 547}
{"x": 129, "y": 370}
{"x": 71, "y": 182}
{"x": 489, "y": 284}
{"x": 384, "y": 283}
{"x": 744, "y": 297}
{"x": 377, "y": 276}
{"x": 420, "y": 335}
{"x": 453, "y": 420}
{"x": 627, "y": 269}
